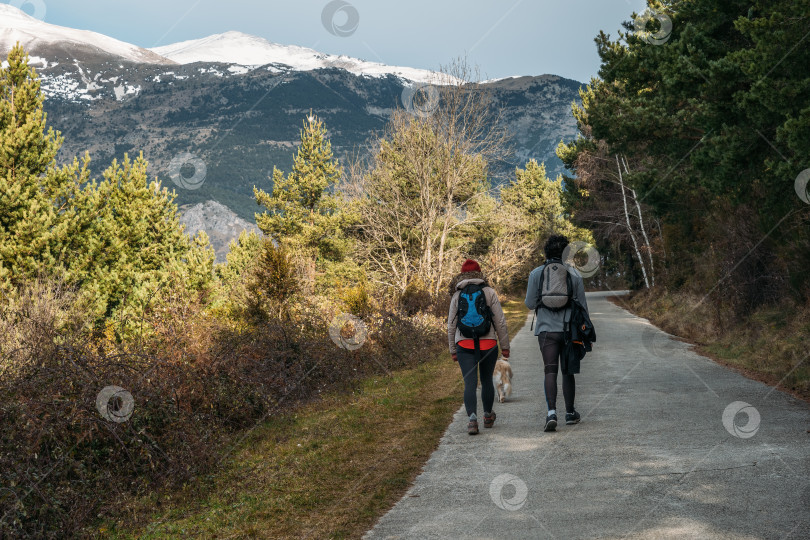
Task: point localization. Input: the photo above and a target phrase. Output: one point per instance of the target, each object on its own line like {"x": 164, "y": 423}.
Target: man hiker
{"x": 552, "y": 290}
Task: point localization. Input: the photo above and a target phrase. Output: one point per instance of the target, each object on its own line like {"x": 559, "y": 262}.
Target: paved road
{"x": 652, "y": 457}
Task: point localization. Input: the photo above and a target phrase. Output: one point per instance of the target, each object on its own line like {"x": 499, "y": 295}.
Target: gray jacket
{"x": 547, "y": 320}
{"x": 498, "y": 330}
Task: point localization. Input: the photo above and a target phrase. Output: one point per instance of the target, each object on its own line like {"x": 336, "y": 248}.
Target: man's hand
{"x": 505, "y": 353}
{"x": 455, "y": 357}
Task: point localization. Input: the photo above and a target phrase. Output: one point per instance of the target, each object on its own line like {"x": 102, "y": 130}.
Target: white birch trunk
{"x": 630, "y": 229}
{"x": 641, "y": 223}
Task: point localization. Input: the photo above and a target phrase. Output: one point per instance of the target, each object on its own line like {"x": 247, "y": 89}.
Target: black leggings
{"x": 551, "y": 345}
{"x": 467, "y": 362}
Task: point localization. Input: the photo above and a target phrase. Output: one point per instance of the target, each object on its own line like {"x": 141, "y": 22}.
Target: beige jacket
{"x": 498, "y": 330}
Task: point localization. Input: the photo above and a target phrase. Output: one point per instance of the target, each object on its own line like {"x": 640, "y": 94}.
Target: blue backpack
{"x": 474, "y": 316}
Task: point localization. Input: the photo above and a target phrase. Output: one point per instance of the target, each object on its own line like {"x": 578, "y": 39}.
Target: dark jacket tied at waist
{"x": 579, "y": 334}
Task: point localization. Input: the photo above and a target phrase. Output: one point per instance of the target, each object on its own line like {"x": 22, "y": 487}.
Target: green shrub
{"x": 273, "y": 283}
{"x": 416, "y": 298}
{"x": 357, "y": 300}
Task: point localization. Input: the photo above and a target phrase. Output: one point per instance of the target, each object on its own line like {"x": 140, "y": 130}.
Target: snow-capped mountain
{"x": 237, "y": 102}
{"x": 247, "y": 50}
{"x": 52, "y": 41}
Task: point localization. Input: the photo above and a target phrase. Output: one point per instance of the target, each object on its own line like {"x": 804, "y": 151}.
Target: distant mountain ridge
{"x": 247, "y": 50}
{"x": 47, "y": 40}
{"x": 241, "y": 119}
{"x": 43, "y": 39}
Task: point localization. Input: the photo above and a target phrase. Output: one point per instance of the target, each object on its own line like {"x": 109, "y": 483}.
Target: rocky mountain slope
{"x": 218, "y": 221}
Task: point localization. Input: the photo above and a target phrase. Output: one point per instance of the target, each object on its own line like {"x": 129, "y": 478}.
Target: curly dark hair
{"x": 555, "y": 245}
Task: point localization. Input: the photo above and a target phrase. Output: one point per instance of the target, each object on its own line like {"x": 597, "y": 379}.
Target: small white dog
{"x": 502, "y": 378}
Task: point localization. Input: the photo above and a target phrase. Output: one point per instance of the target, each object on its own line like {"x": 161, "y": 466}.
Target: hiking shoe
{"x": 489, "y": 419}
{"x": 551, "y": 423}
{"x": 572, "y": 418}
{"x": 472, "y": 427}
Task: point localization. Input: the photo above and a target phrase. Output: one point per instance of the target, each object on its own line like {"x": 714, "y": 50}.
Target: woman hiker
{"x": 549, "y": 329}
{"x": 475, "y": 310}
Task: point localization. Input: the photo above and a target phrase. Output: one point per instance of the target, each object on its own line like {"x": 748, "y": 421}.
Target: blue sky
{"x": 501, "y": 37}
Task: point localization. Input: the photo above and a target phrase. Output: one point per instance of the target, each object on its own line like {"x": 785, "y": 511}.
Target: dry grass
{"x": 329, "y": 469}
{"x": 515, "y": 311}
{"x": 768, "y": 345}
{"x": 326, "y": 471}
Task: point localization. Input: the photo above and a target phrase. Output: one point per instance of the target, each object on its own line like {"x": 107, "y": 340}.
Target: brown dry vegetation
{"x": 328, "y": 469}
{"x": 197, "y": 381}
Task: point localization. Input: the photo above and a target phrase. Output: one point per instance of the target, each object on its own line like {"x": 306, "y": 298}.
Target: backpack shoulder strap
{"x": 570, "y": 283}
{"x": 461, "y": 298}
{"x": 540, "y": 288}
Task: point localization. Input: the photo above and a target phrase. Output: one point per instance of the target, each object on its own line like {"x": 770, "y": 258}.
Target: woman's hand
{"x": 455, "y": 357}
{"x": 505, "y": 353}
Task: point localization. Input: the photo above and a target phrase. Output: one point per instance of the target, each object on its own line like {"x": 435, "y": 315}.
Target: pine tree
{"x": 531, "y": 208}
{"x": 119, "y": 240}
{"x": 715, "y": 121}
{"x": 242, "y": 255}
{"x": 27, "y": 152}
{"x": 535, "y": 197}
{"x": 302, "y": 208}
{"x": 303, "y": 214}
{"x": 133, "y": 244}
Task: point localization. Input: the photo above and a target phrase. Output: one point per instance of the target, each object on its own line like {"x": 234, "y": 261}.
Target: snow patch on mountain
{"x": 36, "y": 61}
{"x": 239, "y": 70}
{"x": 241, "y": 53}
{"x": 126, "y": 91}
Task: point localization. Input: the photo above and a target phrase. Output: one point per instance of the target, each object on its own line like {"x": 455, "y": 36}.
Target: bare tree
{"x": 606, "y": 208}
{"x": 423, "y": 175}
{"x": 629, "y": 228}
{"x": 470, "y": 126}
{"x": 641, "y": 225}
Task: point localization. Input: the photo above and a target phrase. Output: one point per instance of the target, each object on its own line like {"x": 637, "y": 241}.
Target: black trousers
{"x": 470, "y": 369}
{"x": 551, "y": 346}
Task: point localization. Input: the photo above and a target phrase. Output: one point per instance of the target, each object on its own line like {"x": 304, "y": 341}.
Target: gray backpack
{"x": 556, "y": 288}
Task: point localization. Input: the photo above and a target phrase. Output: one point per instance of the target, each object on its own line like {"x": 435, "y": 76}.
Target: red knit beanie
{"x": 470, "y": 266}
